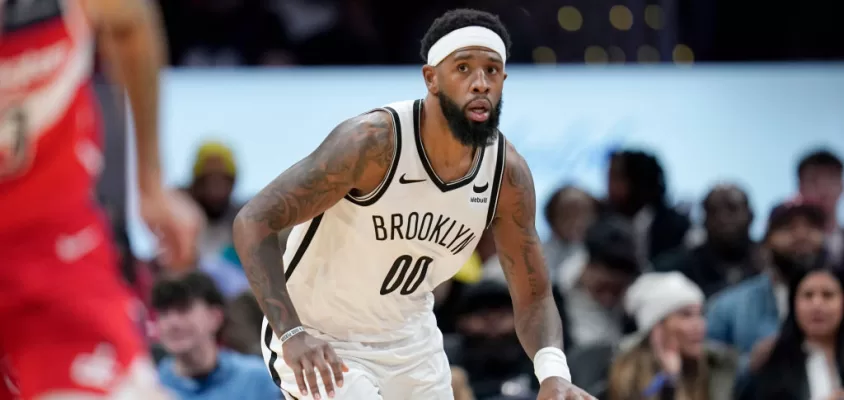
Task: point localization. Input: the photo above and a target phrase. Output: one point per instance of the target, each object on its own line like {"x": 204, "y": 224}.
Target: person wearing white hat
{"x": 668, "y": 354}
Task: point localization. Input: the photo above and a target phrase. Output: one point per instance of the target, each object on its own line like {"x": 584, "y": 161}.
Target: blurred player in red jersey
{"x": 65, "y": 325}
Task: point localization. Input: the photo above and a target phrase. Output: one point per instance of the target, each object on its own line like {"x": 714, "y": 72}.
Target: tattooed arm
{"x": 354, "y": 156}
{"x": 538, "y": 322}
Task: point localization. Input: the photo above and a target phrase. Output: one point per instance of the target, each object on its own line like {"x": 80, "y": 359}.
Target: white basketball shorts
{"x": 412, "y": 369}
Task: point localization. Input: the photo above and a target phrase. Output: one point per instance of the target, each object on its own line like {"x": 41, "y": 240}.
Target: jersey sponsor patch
{"x": 21, "y": 14}
{"x": 478, "y": 200}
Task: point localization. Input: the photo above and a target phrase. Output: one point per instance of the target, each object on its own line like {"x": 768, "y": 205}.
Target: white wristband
{"x": 293, "y": 332}
{"x": 550, "y": 361}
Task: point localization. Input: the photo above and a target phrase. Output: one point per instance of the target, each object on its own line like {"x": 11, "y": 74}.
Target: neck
{"x": 201, "y": 360}
{"x": 730, "y": 250}
{"x": 437, "y": 139}
{"x": 774, "y": 274}
{"x": 825, "y": 344}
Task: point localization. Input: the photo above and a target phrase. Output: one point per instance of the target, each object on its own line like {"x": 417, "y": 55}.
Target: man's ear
{"x": 430, "y": 76}
{"x": 218, "y": 316}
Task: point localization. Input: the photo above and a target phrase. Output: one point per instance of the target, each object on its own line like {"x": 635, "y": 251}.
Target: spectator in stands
{"x": 637, "y": 190}
{"x": 728, "y": 255}
{"x": 190, "y": 316}
{"x": 486, "y": 346}
{"x": 569, "y": 213}
{"x": 449, "y": 294}
{"x": 214, "y": 176}
{"x": 592, "y": 290}
{"x": 820, "y": 177}
{"x": 669, "y": 358}
{"x": 746, "y": 316}
{"x": 807, "y": 360}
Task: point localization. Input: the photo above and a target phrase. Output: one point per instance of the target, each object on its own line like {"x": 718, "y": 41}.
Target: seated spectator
{"x": 449, "y": 294}
{"x": 592, "y": 290}
{"x": 668, "y": 358}
{"x": 728, "y": 254}
{"x": 820, "y": 177}
{"x": 214, "y": 174}
{"x": 637, "y": 189}
{"x": 569, "y": 213}
{"x": 807, "y": 359}
{"x": 743, "y": 315}
{"x": 486, "y": 346}
{"x": 190, "y": 317}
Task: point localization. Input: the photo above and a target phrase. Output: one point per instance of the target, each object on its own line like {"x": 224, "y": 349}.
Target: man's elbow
{"x": 243, "y": 228}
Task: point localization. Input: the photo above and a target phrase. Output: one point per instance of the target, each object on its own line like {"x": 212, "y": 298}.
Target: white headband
{"x": 466, "y": 37}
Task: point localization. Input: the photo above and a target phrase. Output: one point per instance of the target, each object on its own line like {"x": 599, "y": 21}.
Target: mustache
{"x": 483, "y": 98}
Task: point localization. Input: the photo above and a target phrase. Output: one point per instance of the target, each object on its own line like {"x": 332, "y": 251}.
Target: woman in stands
{"x": 806, "y": 362}
{"x": 668, "y": 358}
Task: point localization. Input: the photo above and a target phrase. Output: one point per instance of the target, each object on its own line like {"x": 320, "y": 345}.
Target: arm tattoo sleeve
{"x": 357, "y": 147}
{"x": 538, "y": 321}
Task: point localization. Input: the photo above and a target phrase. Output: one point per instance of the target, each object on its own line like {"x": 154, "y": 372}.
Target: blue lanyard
{"x": 657, "y": 383}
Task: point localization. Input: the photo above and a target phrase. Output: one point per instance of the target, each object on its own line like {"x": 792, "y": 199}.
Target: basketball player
{"x": 389, "y": 206}
{"x": 65, "y": 326}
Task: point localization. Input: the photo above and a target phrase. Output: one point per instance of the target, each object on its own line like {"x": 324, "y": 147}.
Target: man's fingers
{"x": 337, "y": 366}
{"x": 300, "y": 379}
{"x": 311, "y": 378}
{"x": 327, "y": 377}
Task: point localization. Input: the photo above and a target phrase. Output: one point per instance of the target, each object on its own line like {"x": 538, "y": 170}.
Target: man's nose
{"x": 480, "y": 84}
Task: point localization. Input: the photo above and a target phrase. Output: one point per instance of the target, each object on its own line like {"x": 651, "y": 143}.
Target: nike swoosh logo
{"x": 480, "y": 189}
{"x": 404, "y": 180}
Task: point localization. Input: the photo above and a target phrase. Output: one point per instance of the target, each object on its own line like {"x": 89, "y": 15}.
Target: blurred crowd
{"x": 654, "y": 305}
{"x": 356, "y": 32}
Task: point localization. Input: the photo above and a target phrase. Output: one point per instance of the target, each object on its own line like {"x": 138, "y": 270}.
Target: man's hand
{"x": 304, "y": 353}
{"x": 760, "y": 353}
{"x": 556, "y": 388}
{"x": 175, "y": 220}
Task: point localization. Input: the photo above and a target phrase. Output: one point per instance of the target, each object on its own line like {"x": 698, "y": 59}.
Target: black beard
{"x": 468, "y": 132}
{"x": 213, "y": 211}
{"x": 792, "y": 266}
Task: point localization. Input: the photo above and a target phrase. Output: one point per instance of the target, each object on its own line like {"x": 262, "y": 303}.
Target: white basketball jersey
{"x": 364, "y": 270}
